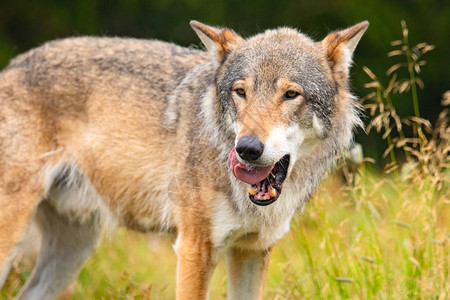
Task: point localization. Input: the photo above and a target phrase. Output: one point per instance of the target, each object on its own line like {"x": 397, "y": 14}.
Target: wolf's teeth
{"x": 252, "y": 190}
{"x": 273, "y": 192}
{"x": 262, "y": 198}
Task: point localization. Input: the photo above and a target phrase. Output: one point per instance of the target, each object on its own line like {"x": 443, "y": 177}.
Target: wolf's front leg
{"x": 195, "y": 263}
{"x": 247, "y": 272}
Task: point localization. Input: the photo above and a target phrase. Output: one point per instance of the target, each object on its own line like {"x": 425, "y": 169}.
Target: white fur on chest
{"x": 250, "y": 226}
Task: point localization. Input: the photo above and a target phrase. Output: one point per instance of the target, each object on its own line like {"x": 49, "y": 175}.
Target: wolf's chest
{"x": 253, "y": 229}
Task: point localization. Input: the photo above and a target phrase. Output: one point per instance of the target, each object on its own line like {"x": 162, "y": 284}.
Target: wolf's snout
{"x": 249, "y": 148}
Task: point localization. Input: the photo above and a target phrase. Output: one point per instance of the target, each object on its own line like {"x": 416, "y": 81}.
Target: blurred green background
{"x": 27, "y": 24}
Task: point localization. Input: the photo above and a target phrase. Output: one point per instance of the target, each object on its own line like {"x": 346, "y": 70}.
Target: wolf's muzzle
{"x": 249, "y": 148}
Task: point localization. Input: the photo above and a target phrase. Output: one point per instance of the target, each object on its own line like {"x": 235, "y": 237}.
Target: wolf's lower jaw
{"x": 268, "y": 190}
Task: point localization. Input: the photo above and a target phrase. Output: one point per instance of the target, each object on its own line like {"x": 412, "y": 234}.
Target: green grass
{"x": 376, "y": 238}
{"x": 379, "y": 240}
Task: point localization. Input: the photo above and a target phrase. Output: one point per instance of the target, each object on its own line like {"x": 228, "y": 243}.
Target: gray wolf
{"x": 218, "y": 148}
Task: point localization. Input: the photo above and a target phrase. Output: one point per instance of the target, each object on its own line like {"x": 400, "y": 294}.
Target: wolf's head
{"x": 284, "y": 95}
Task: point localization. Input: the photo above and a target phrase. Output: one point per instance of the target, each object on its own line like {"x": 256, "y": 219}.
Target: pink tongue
{"x": 247, "y": 173}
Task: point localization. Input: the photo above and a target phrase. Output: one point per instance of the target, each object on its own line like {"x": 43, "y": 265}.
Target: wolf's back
{"x": 85, "y": 61}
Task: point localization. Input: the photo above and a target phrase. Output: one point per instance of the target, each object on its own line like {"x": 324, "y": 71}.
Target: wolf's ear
{"x": 217, "y": 40}
{"x": 340, "y": 45}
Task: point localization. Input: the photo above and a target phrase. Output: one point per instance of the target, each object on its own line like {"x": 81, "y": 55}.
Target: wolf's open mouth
{"x": 265, "y": 183}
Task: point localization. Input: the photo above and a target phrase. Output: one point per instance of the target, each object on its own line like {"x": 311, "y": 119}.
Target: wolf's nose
{"x": 249, "y": 148}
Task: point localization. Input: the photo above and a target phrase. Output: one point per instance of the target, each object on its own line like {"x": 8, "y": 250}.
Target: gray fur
{"x": 65, "y": 246}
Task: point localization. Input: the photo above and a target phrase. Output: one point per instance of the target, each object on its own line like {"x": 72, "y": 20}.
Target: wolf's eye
{"x": 291, "y": 95}
{"x": 240, "y": 92}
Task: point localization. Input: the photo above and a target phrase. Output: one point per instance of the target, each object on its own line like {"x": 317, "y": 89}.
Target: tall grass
{"x": 377, "y": 238}
{"x": 364, "y": 235}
